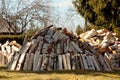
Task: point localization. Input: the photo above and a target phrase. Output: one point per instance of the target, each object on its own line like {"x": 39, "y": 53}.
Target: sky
{"x": 62, "y": 6}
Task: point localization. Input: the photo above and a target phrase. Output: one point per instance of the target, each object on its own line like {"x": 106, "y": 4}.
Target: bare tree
{"x": 19, "y": 14}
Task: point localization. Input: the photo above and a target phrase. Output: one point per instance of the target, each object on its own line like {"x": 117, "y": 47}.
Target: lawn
{"x": 59, "y": 75}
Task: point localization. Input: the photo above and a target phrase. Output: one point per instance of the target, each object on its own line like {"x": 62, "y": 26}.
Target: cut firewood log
{"x": 45, "y": 62}
{"x": 77, "y": 67}
{"x": 91, "y": 63}
{"x": 56, "y": 35}
{"x": 13, "y": 65}
{"x": 35, "y": 61}
{"x": 72, "y": 62}
{"x": 22, "y": 57}
{"x": 39, "y": 32}
{"x": 80, "y": 61}
{"x": 64, "y": 62}
{"x": 10, "y": 60}
{"x": 84, "y": 61}
{"x": 103, "y": 63}
{"x": 58, "y": 48}
{"x": 108, "y": 66}
{"x": 68, "y": 61}
{"x": 60, "y": 62}
{"x": 39, "y": 63}
{"x": 90, "y": 34}
{"x": 96, "y": 63}
{"x": 30, "y": 64}
{"x": 76, "y": 47}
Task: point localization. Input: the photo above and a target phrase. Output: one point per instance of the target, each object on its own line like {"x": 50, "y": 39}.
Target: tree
{"x": 102, "y": 13}
{"x": 18, "y": 14}
{"x": 79, "y": 30}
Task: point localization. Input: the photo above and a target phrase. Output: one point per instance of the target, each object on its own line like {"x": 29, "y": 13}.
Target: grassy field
{"x": 58, "y": 75}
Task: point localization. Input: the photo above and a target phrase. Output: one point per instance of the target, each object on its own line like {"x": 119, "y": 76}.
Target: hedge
{"x": 17, "y": 38}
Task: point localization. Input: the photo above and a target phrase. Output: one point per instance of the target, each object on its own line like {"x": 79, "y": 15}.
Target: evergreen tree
{"x": 101, "y": 13}
{"x": 79, "y": 30}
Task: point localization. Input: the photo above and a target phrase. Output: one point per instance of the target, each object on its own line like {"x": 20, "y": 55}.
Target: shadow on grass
{"x": 3, "y": 77}
{"x": 76, "y": 72}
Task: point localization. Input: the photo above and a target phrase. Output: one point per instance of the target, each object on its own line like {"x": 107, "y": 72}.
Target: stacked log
{"x": 57, "y": 49}
{"x": 106, "y": 43}
{"x": 7, "y": 50}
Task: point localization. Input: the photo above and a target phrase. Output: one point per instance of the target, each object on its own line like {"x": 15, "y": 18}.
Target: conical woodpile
{"x": 57, "y": 49}
{"x": 106, "y": 43}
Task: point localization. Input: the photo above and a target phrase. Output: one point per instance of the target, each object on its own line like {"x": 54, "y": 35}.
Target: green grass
{"x": 58, "y": 75}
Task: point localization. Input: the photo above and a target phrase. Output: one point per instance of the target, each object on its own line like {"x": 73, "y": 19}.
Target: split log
{"x": 56, "y": 35}
{"x": 23, "y": 53}
{"x": 30, "y": 64}
{"x": 15, "y": 60}
{"x": 60, "y": 62}
{"x": 45, "y": 62}
{"x": 64, "y": 62}
{"x": 84, "y": 61}
{"x": 95, "y": 63}
{"x": 90, "y": 34}
{"x": 68, "y": 61}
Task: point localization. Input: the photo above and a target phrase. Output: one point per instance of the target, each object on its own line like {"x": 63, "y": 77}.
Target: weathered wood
{"x": 64, "y": 62}
{"x": 101, "y": 59}
{"x": 58, "y": 48}
{"x": 45, "y": 63}
{"x": 13, "y": 65}
{"x": 68, "y": 60}
{"x": 90, "y": 62}
{"x": 39, "y": 32}
{"x": 38, "y": 66}
{"x": 56, "y": 35}
{"x": 60, "y": 62}
{"x": 90, "y": 65}
{"x": 26, "y": 61}
{"x": 33, "y": 46}
{"x": 108, "y": 66}
{"x": 95, "y": 62}
{"x": 23, "y": 53}
{"x": 77, "y": 67}
{"x": 35, "y": 61}
{"x": 76, "y": 47}
{"x": 84, "y": 61}
{"x": 30, "y": 64}
{"x": 72, "y": 62}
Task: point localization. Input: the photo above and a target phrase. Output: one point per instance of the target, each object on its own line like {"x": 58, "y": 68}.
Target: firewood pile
{"x": 57, "y": 49}
{"x": 106, "y": 43}
{"x": 7, "y": 50}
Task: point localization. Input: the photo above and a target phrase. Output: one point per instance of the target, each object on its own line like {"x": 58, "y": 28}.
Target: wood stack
{"x": 7, "y": 50}
{"x": 57, "y": 49}
{"x": 106, "y": 43}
